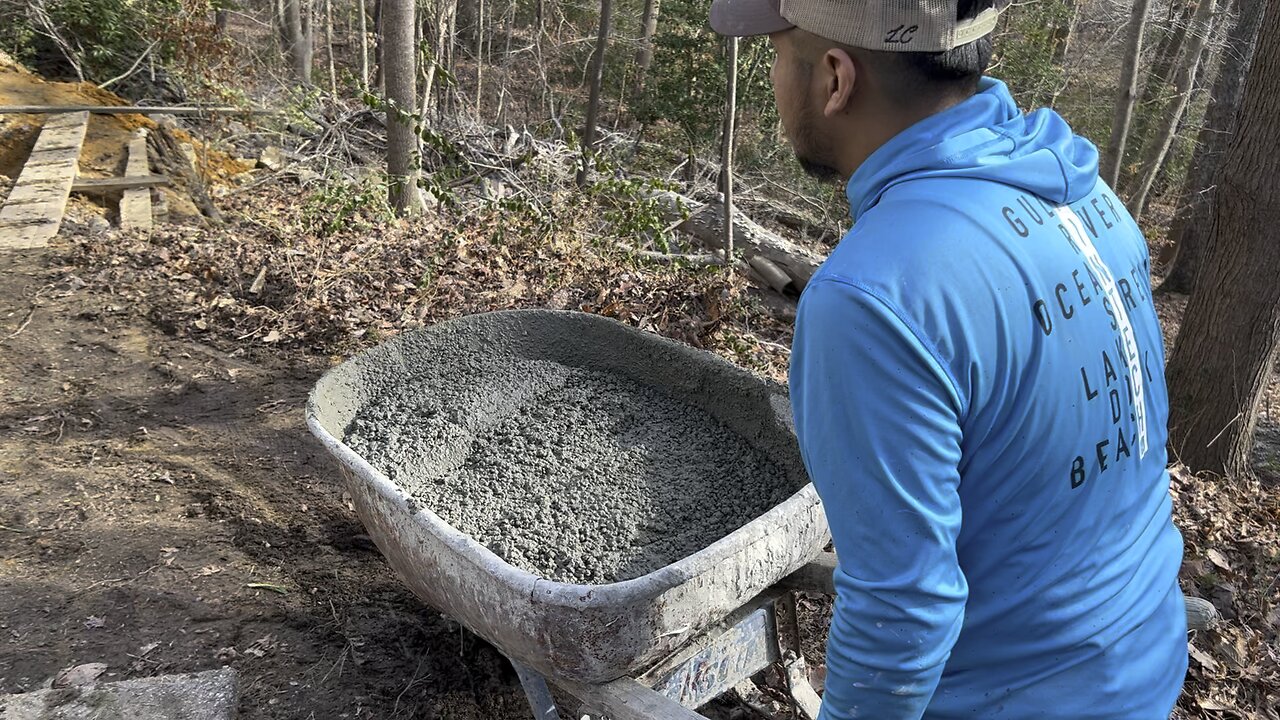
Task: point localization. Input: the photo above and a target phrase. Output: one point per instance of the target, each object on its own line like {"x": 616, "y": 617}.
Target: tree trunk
{"x": 438, "y": 51}
{"x": 479, "y": 54}
{"x": 596, "y": 79}
{"x": 1167, "y": 53}
{"x": 726, "y": 150}
{"x": 401, "y": 79}
{"x": 364, "y": 47}
{"x": 328, "y": 47}
{"x": 1114, "y": 155}
{"x": 1062, "y": 34}
{"x": 220, "y": 19}
{"x": 379, "y": 78}
{"x": 284, "y": 30}
{"x": 1201, "y": 27}
{"x": 297, "y": 39}
{"x": 1190, "y": 227}
{"x": 1154, "y": 95}
{"x": 306, "y": 8}
{"x": 451, "y": 36}
{"x": 1226, "y": 349}
{"x": 644, "y": 55}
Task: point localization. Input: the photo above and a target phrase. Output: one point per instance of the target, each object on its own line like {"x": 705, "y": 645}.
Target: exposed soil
{"x": 163, "y": 509}
{"x": 106, "y": 138}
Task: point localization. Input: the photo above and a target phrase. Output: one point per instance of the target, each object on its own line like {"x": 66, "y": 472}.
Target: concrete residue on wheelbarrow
{"x": 572, "y": 474}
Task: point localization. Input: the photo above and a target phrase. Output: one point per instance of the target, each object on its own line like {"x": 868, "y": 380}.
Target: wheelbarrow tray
{"x": 582, "y": 633}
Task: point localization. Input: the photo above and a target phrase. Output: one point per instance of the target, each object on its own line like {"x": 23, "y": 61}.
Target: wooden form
{"x": 33, "y": 211}
{"x": 116, "y": 184}
{"x": 135, "y": 204}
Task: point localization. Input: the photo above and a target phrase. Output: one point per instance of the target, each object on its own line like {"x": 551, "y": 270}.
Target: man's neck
{"x": 881, "y": 125}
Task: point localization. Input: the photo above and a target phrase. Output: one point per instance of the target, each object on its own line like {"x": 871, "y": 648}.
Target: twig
{"x": 23, "y": 326}
{"x": 132, "y": 68}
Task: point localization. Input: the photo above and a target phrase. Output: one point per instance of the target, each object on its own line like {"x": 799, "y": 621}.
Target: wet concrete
{"x": 574, "y": 474}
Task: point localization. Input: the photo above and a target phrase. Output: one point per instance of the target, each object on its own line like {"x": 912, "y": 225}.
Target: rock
{"x": 210, "y": 695}
{"x": 79, "y": 675}
{"x": 271, "y": 158}
{"x": 98, "y": 225}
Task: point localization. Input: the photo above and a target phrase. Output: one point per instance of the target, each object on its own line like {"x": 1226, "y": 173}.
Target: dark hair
{"x": 954, "y": 71}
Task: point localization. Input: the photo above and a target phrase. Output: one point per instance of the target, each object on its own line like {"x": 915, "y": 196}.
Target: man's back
{"x": 983, "y": 355}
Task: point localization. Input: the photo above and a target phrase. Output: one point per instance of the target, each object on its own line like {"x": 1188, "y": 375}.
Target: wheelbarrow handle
{"x": 816, "y": 577}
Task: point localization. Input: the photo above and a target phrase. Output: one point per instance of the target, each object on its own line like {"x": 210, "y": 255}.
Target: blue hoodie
{"x": 978, "y": 387}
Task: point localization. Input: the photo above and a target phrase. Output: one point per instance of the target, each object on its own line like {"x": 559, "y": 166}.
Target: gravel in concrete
{"x": 572, "y": 474}
{"x": 210, "y": 695}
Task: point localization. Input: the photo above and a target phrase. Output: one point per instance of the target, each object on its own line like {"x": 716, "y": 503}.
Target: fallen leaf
{"x": 142, "y": 651}
{"x": 1217, "y": 558}
{"x": 1205, "y": 659}
{"x": 79, "y": 675}
{"x": 1207, "y": 704}
{"x": 208, "y": 570}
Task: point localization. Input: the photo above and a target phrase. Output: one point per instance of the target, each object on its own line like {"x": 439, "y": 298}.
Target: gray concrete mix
{"x": 575, "y": 475}
{"x": 210, "y": 695}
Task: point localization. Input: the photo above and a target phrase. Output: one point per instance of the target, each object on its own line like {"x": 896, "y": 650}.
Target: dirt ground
{"x": 147, "y": 484}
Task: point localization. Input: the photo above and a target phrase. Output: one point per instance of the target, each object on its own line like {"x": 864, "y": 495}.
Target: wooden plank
{"x": 111, "y": 184}
{"x": 135, "y": 204}
{"x": 26, "y": 237}
{"x": 40, "y": 193}
{"x": 129, "y": 110}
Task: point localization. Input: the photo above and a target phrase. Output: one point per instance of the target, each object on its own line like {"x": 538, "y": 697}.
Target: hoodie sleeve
{"x": 877, "y": 416}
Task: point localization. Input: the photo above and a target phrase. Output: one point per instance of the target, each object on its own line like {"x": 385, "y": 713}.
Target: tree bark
{"x": 1123, "y": 117}
{"x": 1154, "y": 94}
{"x": 1168, "y": 129}
{"x": 379, "y": 78}
{"x": 1226, "y": 349}
{"x": 596, "y": 79}
{"x": 479, "y": 54}
{"x": 726, "y": 150}
{"x": 1190, "y": 226}
{"x": 297, "y": 39}
{"x": 644, "y": 55}
{"x": 1063, "y": 33}
{"x": 1167, "y": 53}
{"x": 284, "y": 31}
{"x": 401, "y": 80}
{"x": 220, "y": 19}
{"x": 438, "y": 51}
{"x": 364, "y": 46}
{"x": 306, "y": 9}
{"x": 328, "y": 47}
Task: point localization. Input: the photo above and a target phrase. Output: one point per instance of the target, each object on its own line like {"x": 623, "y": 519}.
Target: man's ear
{"x": 841, "y": 75}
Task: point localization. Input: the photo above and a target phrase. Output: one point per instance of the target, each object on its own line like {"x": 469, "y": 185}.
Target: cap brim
{"x": 744, "y": 18}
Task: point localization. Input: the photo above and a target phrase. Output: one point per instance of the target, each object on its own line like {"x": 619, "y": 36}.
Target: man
{"x": 977, "y": 381}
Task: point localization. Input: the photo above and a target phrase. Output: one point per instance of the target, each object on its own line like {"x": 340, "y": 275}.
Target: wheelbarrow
{"x": 655, "y": 647}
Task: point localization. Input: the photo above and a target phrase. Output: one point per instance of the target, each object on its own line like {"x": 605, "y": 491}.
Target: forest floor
{"x": 163, "y": 508}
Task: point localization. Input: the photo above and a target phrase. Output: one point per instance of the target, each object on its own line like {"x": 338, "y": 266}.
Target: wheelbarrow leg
{"x": 536, "y": 690}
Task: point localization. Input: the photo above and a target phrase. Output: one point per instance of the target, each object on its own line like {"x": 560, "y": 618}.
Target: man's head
{"x": 851, "y": 74}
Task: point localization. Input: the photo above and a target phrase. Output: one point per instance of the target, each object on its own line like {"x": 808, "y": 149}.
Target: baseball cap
{"x": 890, "y": 25}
